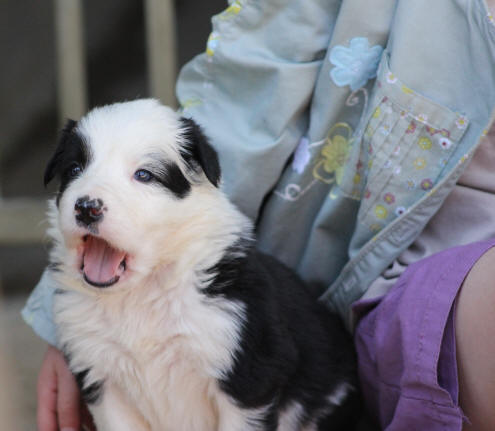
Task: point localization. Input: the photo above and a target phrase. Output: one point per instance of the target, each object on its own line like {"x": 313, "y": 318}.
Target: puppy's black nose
{"x": 88, "y": 210}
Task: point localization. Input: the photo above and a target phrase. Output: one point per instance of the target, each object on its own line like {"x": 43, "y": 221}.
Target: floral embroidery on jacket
{"x": 381, "y": 212}
{"x": 411, "y": 128}
{"x": 462, "y": 122}
{"x": 427, "y": 184}
{"x": 231, "y": 11}
{"x": 330, "y": 165}
{"x": 425, "y": 143}
{"x": 420, "y": 163}
{"x": 391, "y": 78}
{"x": 355, "y": 65}
{"x": 445, "y": 143}
{"x": 212, "y": 43}
{"x": 389, "y": 198}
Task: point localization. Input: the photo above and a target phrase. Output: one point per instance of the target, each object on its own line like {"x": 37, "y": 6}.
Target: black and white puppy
{"x": 169, "y": 317}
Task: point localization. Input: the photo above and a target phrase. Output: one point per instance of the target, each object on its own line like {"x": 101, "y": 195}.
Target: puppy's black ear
{"x": 54, "y": 164}
{"x": 199, "y": 151}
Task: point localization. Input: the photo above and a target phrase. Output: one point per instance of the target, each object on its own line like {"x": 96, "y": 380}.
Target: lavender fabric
{"x": 405, "y": 342}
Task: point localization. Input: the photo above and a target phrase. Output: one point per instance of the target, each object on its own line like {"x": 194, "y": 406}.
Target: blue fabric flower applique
{"x": 354, "y": 65}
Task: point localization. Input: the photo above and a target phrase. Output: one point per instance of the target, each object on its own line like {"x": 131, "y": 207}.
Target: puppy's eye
{"x": 75, "y": 170}
{"x": 143, "y": 175}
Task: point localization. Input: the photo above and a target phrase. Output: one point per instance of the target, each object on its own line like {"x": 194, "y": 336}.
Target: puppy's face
{"x": 138, "y": 187}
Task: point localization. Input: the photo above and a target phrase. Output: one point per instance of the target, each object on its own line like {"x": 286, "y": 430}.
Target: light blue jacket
{"x": 341, "y": 127}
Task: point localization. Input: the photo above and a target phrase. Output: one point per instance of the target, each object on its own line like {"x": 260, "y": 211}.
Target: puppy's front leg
{"x": 113, "y": 412}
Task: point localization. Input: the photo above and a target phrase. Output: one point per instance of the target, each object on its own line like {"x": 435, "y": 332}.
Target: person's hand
{"x": 59, "y": 401}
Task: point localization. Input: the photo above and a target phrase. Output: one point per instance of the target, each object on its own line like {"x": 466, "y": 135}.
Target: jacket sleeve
{"x": 37, "y": 312}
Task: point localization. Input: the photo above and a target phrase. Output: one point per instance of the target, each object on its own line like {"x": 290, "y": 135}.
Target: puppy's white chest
{"x": 165, "y": 355}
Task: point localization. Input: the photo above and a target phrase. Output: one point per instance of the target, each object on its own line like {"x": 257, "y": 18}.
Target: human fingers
{"x": 46, "y": 414}
{"x": 68, "y": 397}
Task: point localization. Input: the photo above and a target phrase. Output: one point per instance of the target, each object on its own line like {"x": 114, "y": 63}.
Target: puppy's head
{"x": 138, "y": 192}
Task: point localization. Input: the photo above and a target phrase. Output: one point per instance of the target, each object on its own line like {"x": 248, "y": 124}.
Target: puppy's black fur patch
{"x": 71, "y": 151}
{"x": 92, "y": 393}
{"x": 171, "y": 177}
{"x": 199, "y": 152}
{"x": 291, "y": 348}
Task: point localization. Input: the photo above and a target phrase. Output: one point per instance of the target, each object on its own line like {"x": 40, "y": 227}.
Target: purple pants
{"x": 405, "y": 342}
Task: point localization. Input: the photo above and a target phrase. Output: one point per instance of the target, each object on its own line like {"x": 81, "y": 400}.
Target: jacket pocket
{"x": 407, "y": 141}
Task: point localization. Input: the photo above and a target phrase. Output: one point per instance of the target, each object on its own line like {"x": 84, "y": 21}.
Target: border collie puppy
{"x": 169, "y": 317}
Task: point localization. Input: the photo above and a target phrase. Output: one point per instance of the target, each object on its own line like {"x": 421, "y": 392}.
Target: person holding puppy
{"x": 365, "y": 130}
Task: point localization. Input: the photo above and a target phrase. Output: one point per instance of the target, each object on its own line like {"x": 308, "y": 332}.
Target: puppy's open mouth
{"x": 102, "y": 265}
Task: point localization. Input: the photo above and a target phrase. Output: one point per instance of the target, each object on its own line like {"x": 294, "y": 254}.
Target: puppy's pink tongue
{"x": 101, "y": 262}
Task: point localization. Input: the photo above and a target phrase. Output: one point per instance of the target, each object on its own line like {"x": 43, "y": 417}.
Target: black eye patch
{"x": 169, "y": 175}
{"x": 70, "y": 158}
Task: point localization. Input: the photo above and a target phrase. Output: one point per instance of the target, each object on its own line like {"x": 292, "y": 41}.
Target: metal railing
{"x": 22, "y": 219}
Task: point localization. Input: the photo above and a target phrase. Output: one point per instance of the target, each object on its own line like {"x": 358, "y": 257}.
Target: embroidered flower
{"x": 396, "y": 151}
{"x": 381, "y": 212}
{"x": 422, "y": 118}
{"x": 356, "y": 179}
{"x": 410, "y": 184}
{"x": 403, "y": 114}
{"x": 391, "y": 78}
{"x": 367, "y": 194}
{"x": 387, "y": 164}
{"x": 426, "y": 184}
{"x": 212, "y": 43}
{"x": 461, "y": 122}
{"x": 490, "y": 18}
{"x": 445, "y": 143}
{"x": 406, "y": 90}
{"x": 329, "y": 166}
{"x": 231, "y": 11}
{"x": 420, "y": 163}
{"x": 425, "y": 143}
{"x": 368, "y": 132}
{"x": 377, "y": 112}
{"x": 384, "y": 130}
{"x": 356, "y": 64}
{"x": 398, "y": 170}
{"x": 411, "y": 128}
{"x": 335, "y": 154}
{"x": 301, "y": 156}
{"x": 389, "y": 198}
{"x": 399, "y": 211}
